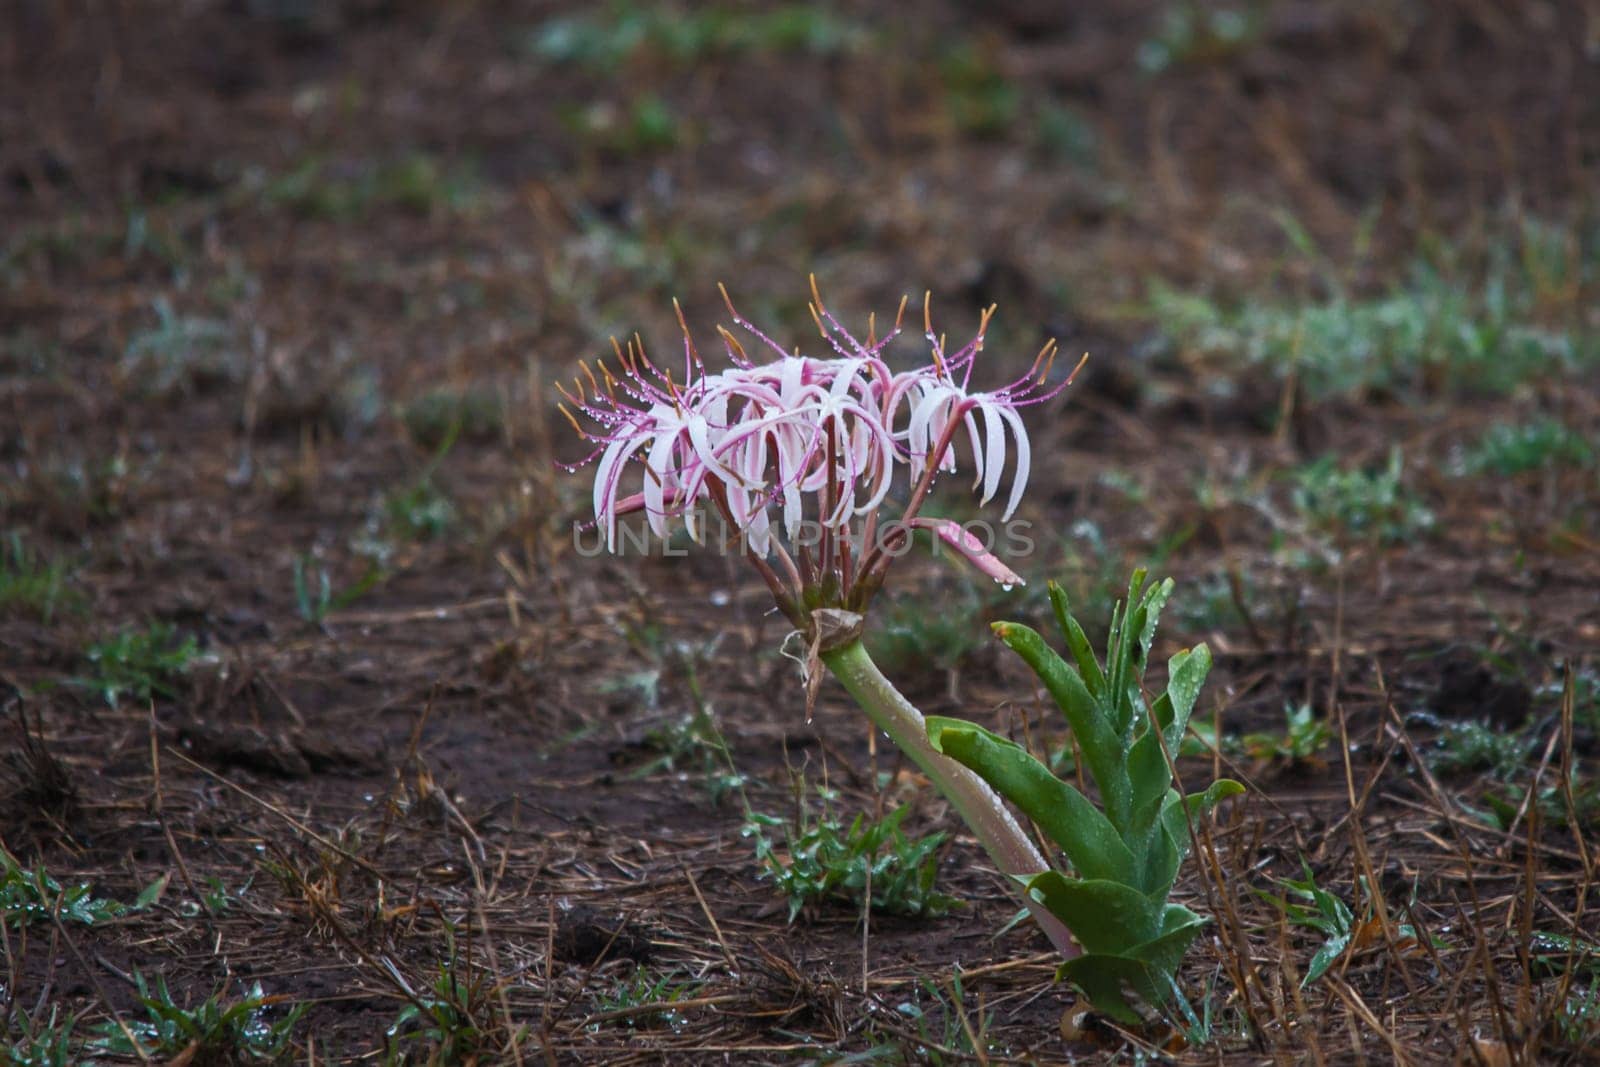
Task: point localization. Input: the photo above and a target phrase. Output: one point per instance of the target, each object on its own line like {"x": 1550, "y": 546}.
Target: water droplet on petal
{"x": 1006, "y": 587}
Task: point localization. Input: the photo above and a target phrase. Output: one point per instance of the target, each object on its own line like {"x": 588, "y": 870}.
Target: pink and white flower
{"x": 802, "y": 438}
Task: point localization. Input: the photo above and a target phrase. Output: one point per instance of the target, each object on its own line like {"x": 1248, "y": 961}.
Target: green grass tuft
{"x": 30, "y": 585}
{"x": 1442, "y": 330}
{"x": 212, "y": 1032}
{"x": 1360, "y": 505}
{"x": 141, "y": 664}
{"x": 1509, "y": 449}
{"x": 821, "y": 858}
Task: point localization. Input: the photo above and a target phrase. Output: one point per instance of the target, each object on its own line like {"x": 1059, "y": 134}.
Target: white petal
{"x": 995, "y": 446}
{"x": 1019, "y": 478}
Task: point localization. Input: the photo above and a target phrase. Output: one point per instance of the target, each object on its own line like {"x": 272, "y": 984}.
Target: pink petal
{"x": 951, "y": 533}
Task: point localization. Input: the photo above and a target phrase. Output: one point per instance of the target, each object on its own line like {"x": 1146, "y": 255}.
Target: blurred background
{"x": 285, "y": 287}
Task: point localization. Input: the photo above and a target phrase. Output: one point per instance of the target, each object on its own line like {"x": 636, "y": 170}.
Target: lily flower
{"x": 774, "y": 445}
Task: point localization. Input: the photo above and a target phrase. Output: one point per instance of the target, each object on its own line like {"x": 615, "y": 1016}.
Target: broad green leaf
{"x": 1179, "y": 928}
{"x": 1330, "y": 951}
{"x": 1174, "y": 808}
{"x": 1198, "y": 804}
{"x": 1102, "y": 977}
{"x": 152, "y": 892}
{"x": 1149, "y": 774}
{"x": 1094, "y": 678}
{"x": 1088, "y": 838}
{"x": 1101, "y": 744}
{"x": 1160, "y": 856}
{"x": 1155, "y": 598}
{"x": 1186, "y": 674}
{"x": 1148, "y": 969}
{"x": 1109, "y": 918}
{"x": 1163, "y": 846}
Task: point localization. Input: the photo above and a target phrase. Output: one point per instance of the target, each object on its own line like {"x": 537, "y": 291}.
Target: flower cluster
{"x": 798, "y": 436}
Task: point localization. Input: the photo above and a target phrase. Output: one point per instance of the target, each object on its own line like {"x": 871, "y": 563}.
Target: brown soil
{"x": 245, "y": 248}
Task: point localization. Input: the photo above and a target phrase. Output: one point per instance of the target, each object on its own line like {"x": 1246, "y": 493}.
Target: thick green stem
{"x": 982, "y": 809}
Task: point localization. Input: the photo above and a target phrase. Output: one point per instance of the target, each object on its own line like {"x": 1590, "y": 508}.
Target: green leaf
{"x": 1168, "y": 841}
{"x": 1149, "y": 777}
{"x": 1330, "y": 951}
{"x": 1102, "y": 745}
{"x": 1186, "y": 674}
{"x": 1148, "y": 969}
{"x": 1102, "y": 977}
{"x": 152, "y": 892}
{"x": 1094, "y": 678}
{"x": 1107, "y": 918}
{"x": 1199, "y": 804}
{"x": 1155, "y": 598}
{"x": 1066, "y": 816}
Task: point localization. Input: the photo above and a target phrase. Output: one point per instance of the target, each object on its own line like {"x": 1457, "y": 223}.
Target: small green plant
{"x": 1356, "y": 505}
{"x": 314, "y": 597}
{"x": 1303, "y": 738}
{"x": 215, "y": 1032}
{"x": 1193, "y": 32}
{"x": 215, "y": 898}
{"x": 1585, "y": 697}
{"x": 1317, "y": 909}
{"x": 30, "y": 585}
{"x": 1505, "y": 803}
{"x": 648, "y": 124}
{"x": 34, "y": 896}
{"x": 606, "y": 42}
{"x": 1064, "y": 133}
{"x": 688, "y": 741}
{"x": 1577, "y": 1021}
{"x": 46, "y": 1045}
{"x": 180, "y": 354}
{"x": 1126, "y": 858}
{"x": 1509, "y": 449}
{"x": 1323, "y": 912}
{"x": 447, "y": 1018}
{"x": 1464, "y": 747}
{"x": 418, "y": 512}
{"x": 822, "y": 859}
{"x": 418, "y": 184}
{"x": 642, "y": 988}
{"x": 141, "y": 664}
{"x": 943, "y": 1034}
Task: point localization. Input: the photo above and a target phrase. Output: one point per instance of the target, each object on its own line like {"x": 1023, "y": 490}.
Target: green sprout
{"x": 48, "y": 1044}
{"x": 141, "y": 664}
{"x": 1303, "y": 738}
{"x": 447, "y": 1018}
{"x": 30, "y": 585}
{"x": 1356, "y": 504}
{"x": 213, "y": 1032}
{"x": 641, "y": 989}
{"x": 34, "y": 896}
{"x": 1509, "y": 449}
{"x": 821, "y": 858}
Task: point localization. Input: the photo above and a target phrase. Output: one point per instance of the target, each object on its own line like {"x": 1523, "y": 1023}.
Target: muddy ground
{"x": 302, "y": 666}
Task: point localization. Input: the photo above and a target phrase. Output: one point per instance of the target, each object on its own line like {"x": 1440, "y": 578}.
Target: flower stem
{"x": 978, "y": 805}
